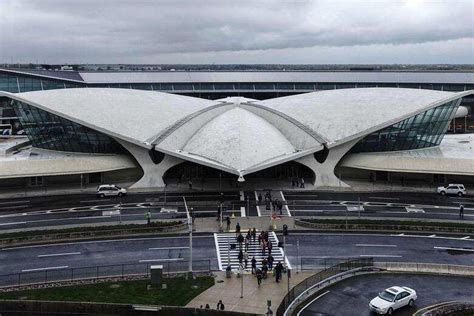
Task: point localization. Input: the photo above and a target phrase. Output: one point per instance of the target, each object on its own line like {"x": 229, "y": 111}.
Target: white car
{"x": 457, "y": 189}
{"x": 391, "y": 299}
{"x": 110, "y": 190}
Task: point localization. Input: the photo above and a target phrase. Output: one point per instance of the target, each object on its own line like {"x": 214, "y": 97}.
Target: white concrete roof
{"x": 237, "y": 135}
{"x": 455, "y": 155}
{"x": 341, "y": 115}
{"x": 36, "y": 162}
{"x": 278, "y": 76}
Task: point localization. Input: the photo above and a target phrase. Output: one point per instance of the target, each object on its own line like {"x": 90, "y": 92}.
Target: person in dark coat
{"x": 220, "y": 306}
{"x": 254, "y": 265}
{"x": 241, "y": 257}
{"x": 278, "y": 271}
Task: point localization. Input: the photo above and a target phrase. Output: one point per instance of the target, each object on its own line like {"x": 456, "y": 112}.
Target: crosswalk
{"x": 225, "y": 256}
{"x": 262, "y": 207}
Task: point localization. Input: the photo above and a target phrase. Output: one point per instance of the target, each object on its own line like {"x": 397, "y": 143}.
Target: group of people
{"x": 267, "y": 265}
{"x": 297, "y": 182}
{"x": 220, "y": 306}
{"x": 275, "y": 204}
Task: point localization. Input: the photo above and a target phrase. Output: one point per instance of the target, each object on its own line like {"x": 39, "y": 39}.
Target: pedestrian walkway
{"x": 254, "y": 298}
{"x": 226, "y": 256}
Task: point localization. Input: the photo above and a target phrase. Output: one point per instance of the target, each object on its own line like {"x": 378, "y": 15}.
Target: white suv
{"x": 457, "y": 189}
{"x": 393, "y": 298}
{"x": 110, "y": 190}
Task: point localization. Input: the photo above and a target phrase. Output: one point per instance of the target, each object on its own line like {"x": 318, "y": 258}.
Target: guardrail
{"x": 311, "y": 281}
{"x": 426, "y": 268}
{"x": 59, "y": 274}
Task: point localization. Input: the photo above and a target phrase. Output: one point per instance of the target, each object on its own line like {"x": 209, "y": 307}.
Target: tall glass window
{"x": 49, "y": 131}
{"x": 420, "y": 131}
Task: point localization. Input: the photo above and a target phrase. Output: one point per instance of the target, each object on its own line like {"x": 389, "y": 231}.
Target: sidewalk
{"x": 254, "y": 299}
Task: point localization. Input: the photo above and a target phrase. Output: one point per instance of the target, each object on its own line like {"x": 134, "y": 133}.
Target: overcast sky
{"x": 256, "y": 31}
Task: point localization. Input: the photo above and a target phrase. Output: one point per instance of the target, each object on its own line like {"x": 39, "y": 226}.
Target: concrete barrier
{"x": 426, "y": 268}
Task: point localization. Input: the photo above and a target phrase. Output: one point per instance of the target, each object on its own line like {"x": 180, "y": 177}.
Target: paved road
{"x": 356, "y": 293}
{"x": 53, "y": 211}
{"x": 323, "y": 248}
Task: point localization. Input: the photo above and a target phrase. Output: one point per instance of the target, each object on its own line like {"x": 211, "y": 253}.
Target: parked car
{"x": 457, "y": 189}
{"x": 393, "y": 298}
{"x": 110, "y": 190}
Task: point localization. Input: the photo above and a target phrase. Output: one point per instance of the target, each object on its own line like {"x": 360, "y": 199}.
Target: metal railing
{"x": 318, "y": 277}
{"x": 123, "y": 270}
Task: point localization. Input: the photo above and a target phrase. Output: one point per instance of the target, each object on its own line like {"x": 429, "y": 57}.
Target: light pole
{"x": 190, "y": 229}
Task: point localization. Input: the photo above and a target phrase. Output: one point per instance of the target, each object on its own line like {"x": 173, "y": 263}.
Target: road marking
{"x": 161, "y": 260}
{"x": 99, "y": 200}
{"x": 59, "y": 254}
{"x": 256, "y": 204}
{"x": 14, "y": 202}
{"x": 43, "y": 269}
{"x": 380, "y": 256}
{"x": 314, "y": 300}
{"x": 14, "y": 207}
{"x": 16, "y": 223}
{"x": 383, "y": 198}
{"x": 431, "y": 236}
{"x": 414, "y": 210}
{"x": 286, "y": 204}
{"x": 374, "y": 245}
{"x": 102, "y": 241}
{"x": 467, "y": 237}
{"x": 456, "y": 249}
{"x": 89, "y": 217}
{"x": 168, "y": 248}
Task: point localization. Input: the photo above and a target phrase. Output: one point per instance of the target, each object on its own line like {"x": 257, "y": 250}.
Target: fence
{"x": 100, "y": 272}
{"x": 318, "y": 277}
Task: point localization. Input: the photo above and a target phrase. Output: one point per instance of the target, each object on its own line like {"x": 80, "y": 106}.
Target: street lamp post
{"x": 190, "y": 229}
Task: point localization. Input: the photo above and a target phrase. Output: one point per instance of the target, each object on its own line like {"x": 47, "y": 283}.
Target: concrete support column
{"x": 324, "y": 172}
{"x": 152, "y": 173}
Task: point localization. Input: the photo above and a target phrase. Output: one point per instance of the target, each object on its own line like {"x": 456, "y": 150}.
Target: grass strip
{"x": 179, "y": 292}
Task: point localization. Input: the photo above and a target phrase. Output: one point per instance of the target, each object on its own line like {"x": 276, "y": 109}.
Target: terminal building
{"x": 330, "y": 138}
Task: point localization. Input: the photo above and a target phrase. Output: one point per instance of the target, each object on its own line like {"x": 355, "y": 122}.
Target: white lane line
{"x": 14, "y": 202}
{"x": 14, "y": 207}
{"x": 59, "y": 254}
{"x": 99, "y": 200}
{"x": 168, "y": 248}
{"x": 102, "y": 241}
{"x": 242, "y": 208}
{"x": 286, "y": 204}
{"x": 383, "y": 198}
{"x": 311, "y": 302}
{"x": 43, "y": 269}
{"x": 161, "y": 260}
{"x": 467, "y": 237}
{"x": 450, "y": 248}
{"x": 380, "y": 256}
{"x": 16, "y": 223}
{"x": 91, "y": 217}
{"x": 256, "y": 204}
{"x": 374, "y": 245}
{"x": 432, "y": 236}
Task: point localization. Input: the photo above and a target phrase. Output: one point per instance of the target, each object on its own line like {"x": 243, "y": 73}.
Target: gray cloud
{"x": 152, "y": 31}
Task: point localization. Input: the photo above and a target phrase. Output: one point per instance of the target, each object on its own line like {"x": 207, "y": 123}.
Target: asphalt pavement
{"x": 352, "y": 296}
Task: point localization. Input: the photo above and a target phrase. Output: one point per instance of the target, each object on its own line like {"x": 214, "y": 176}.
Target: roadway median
{"x": 378, "y": 225}
{"x": 49, "y": 236}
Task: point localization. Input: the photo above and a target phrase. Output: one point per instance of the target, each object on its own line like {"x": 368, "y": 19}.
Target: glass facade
{"x": 49, "y": 131}
{"x": 423, "y": 130}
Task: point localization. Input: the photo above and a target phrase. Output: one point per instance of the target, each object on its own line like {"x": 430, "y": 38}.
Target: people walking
{"x": 270, "y": 260}
{"x": 461, "y": 211}
{"x": 247, "y": 242}
{"x": 253, "y": 262}
{"x": 278, "y": 271}
{"x": 237, "y": 229}
{"x": 240, "y": 240}
{"x": 190, "y": 184}
{"x": 227, "y": 220}
{"x": 259, "y": 276}
{"x": 270, "y": 247}
{"x": 260, "y": 198}
{"x": 148, "y": 217}
{"x": 254, "y": 234}
{"x": 246, "y": 259}
{"x": 301, "y": 183}
{"x": 220, "y": 305}
{"x": 241, "y": 257}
